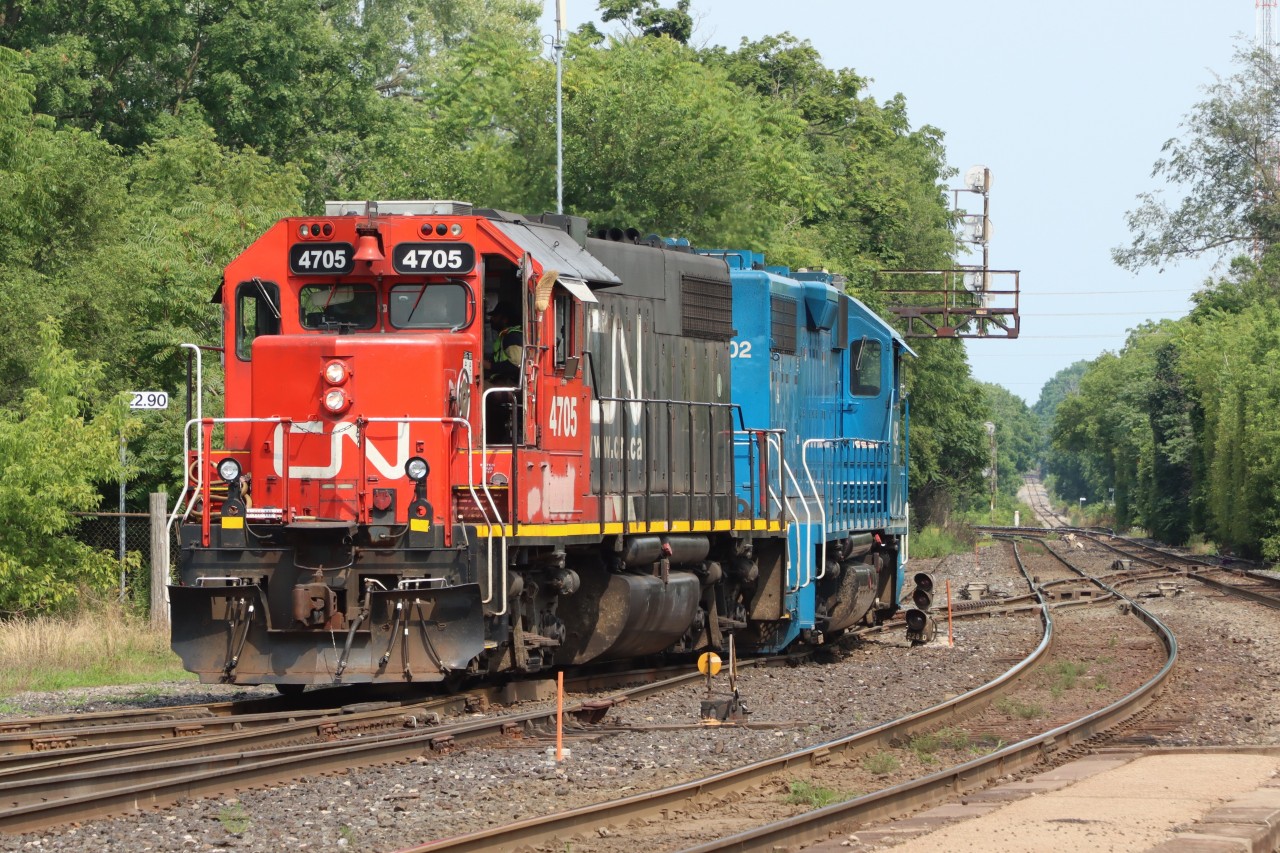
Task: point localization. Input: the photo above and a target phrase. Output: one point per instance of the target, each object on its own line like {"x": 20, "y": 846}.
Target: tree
{"x": 658, "y": 140}
{"x": 648, "y": 18}
{"x": 949, "y": 446}
{"x": 1019, "y": 440}
{"x": 56, "y": 446}
{"x": 1228, "y": 165}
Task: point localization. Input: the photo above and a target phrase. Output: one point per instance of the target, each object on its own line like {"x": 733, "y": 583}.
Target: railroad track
{"x": 700, "y": 796}
{"x": 1041, "y": 505}
{"x": 1133, "y": 555}
{"x": 42, "y": 789}
{"x": 64, "y": 768}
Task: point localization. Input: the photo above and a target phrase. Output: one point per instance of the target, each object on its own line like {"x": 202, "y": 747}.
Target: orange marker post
{"x": 559, "y": 716}
{"x": 950, "y": 639}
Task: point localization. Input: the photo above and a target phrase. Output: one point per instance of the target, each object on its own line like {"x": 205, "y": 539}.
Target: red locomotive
{"x": 402, "y": 487}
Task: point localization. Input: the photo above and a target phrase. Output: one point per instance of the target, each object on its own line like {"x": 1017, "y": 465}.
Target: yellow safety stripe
{"x": 617, "y": 527}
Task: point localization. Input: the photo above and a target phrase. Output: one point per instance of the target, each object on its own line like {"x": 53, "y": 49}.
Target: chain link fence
{"x": 101, "y": 531}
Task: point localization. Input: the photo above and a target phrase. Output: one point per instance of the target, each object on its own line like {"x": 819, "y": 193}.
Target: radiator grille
{"x": 708, "y": 309}
{"x": 783, "y": 328}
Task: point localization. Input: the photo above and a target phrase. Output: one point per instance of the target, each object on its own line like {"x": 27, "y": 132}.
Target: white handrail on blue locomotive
{"x": 822, "y": 510}
{"x": 774, "y": 439}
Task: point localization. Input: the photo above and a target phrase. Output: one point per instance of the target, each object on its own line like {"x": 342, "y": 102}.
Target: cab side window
{"x": 564, "y": 328}
{"x": 864, "y": 368}
{"x": 257, "y": 313}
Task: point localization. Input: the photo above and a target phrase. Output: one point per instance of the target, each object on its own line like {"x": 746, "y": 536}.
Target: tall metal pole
{"x": 558, "y": 46}
{"x": 123, "y": 580}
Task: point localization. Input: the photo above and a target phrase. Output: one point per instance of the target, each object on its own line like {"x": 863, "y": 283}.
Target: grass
{"x": 924, "y": 746}
{"x": 103, "y": 644}
{"x": 234, "y": 819}
{"x": 1017, "y": 708}
{"x": 1063, "y": 676}
{"x": 813, "y": 796}
{"x": 880, "y": 764}
{"x": 940, "y": 542}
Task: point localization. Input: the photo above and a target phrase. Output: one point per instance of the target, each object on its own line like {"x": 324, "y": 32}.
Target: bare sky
{"x": 1067, "y": 103}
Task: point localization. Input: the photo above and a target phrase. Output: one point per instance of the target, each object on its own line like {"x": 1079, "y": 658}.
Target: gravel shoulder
{"x": 1222, "y": 694}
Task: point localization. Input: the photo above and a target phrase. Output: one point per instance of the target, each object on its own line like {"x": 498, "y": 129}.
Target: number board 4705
{"x": 433, "y": 257}
{"x": 322, "y": 258}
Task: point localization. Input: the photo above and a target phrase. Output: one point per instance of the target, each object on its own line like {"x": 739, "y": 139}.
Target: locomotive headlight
{"x": 455, "y": 229}
{"x": 416, "y": 469}
{"x": 335, "y": 373}
{"x": 335, "y": 400}
{"x": 229, "y": 470}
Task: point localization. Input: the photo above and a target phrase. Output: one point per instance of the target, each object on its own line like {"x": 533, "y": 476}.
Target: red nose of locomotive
{"x": 343, "y": 414}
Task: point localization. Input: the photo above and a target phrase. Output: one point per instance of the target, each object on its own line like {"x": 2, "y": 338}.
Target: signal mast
{"x": 1264, "y": 40}
{"x": 1264, "y": 34}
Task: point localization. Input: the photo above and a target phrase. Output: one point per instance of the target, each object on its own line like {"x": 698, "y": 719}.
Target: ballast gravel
{"x": 391, "y": 807}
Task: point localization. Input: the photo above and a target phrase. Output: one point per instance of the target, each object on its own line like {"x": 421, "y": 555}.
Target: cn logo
{"x": 342, "y": 433}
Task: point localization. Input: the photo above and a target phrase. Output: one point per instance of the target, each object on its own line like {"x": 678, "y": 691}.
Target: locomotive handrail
{"x": 471, "y": 487}
{"x": 775, "y": 441}
{"x": 752, "y": 438}
{"x": 186, "y": 451}
{"x": 822, "y": 509}
{"x": 484, "y": 486}
{"x": 646, "y": 405}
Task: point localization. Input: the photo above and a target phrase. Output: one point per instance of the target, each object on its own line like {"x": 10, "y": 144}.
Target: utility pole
{"x": 558, "y": 47}
{"x": 991, "y": 435}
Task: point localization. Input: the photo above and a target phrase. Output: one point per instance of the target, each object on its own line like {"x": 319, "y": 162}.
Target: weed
{"x": 924, "y": 746}
{"x": 348, "y": 835}
{"x": 102, "y": 644}
{"x": 941, "y": 542}
{"x": 880, "y": 764}
{"x": 1063, "y": 675}
{"x": 1100, "y": 683}
{"x": 813, "y": 796}
{"x": 1018, "y": 708}
{"x": 233, "y": 819}
{"x": 954, "y": 738}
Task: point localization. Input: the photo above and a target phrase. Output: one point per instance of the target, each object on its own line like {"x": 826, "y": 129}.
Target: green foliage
{"x": 655, "y": 138}
{"x": 930, "y": 542}
{"x": 949, "y": 445}
{"x": 234, "y": 818}
{"x": 650, "y": 19}
{"x": 1017, "y": 708}
{"x": 1227, "y": 166}
{"x": 881, "y": 763}
{"x": 1019, "y": 439}
{"x": 56, "y": 449}
{"x": 1064, "y": 675}
{"x": 813, "y": 796}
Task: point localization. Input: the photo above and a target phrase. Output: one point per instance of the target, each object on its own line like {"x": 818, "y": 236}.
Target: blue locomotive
{"x": 821, "y": 374}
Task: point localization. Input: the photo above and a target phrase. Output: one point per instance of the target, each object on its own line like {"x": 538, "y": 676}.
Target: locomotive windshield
{"x": 429, "y": 306}
{"x": 333, "y": 307}
{"x": 864, "y": 364}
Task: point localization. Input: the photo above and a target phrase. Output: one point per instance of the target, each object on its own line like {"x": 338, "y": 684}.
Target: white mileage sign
{"x": 148, "y": 400}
